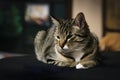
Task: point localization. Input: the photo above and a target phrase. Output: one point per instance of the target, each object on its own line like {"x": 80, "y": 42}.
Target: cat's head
{"x": 68, "y": 33}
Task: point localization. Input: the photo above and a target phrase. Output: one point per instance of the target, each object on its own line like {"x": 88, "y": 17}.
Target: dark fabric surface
{"x": 28, "y": 68}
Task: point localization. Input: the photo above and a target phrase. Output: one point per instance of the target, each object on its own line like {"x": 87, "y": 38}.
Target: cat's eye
{"x": 58, "y": 37}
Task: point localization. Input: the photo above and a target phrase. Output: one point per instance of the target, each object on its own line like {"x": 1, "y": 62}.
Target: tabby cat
{"x": 68, "y": 43}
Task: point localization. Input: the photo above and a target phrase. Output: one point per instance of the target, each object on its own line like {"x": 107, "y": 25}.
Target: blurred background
{"x": 21, "y": 20}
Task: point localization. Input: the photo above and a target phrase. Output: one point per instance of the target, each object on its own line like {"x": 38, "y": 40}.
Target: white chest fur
{"x": 78, "y": 56}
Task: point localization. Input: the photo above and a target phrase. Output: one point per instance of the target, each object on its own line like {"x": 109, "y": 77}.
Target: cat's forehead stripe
{"x": 65, "y": 25}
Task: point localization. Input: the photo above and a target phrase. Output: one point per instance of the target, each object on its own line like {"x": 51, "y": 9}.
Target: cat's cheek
{"x": 80, "y": 66}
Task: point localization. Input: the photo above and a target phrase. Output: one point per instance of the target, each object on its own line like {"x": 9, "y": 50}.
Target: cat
{"x": 68, "y": 43}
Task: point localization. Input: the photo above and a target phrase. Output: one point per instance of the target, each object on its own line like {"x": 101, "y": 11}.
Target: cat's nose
{"x": 61, "y": 46}
{"x": 62, "y": 43}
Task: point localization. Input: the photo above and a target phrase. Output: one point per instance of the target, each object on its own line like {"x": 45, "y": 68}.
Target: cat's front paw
{"x": 80, "y": 66}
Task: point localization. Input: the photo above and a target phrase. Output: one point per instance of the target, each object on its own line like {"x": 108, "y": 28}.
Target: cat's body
{"x": 68, "y": 43}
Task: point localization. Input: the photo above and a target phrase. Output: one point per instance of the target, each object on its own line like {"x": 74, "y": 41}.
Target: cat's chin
{"x": 60, "y": 50}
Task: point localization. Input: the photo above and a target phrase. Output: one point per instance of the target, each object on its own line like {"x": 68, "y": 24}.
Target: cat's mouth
{"x": 65, "y": 49}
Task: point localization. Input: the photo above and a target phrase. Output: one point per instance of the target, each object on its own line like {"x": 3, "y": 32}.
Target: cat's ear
{"x": 80, "y": 20}
{"x": 55, "y": 21}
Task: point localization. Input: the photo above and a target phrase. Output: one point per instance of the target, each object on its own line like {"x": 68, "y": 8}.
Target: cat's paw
{"x": 80, "y": 66}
